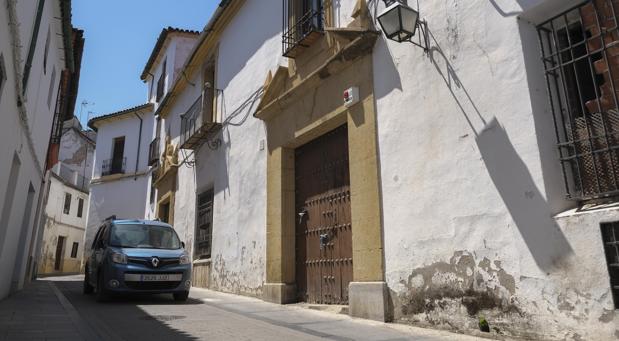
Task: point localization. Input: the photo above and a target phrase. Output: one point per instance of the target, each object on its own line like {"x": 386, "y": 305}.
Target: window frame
{"x": 587, "y": 137}
{"x": 210, "y": 194}
{"x": 66, "y": 209}
{"x": 611, "y": 251}
{"x": 74, "y": 249}
{"x": 50, "y": 94}
{"x": 3, "y": 75}
{"x": 46, "y": 51}
{"x": 80, "y": 207}
{"x": 161, "y": 81}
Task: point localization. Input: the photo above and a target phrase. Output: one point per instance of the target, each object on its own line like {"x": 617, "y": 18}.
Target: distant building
{"x": 66, "y": 203}
{"x": 40, "y": 57}
{"x": 121, "y": 175}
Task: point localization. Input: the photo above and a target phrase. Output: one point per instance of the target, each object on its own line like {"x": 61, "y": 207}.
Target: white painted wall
{"x": 16, "y": 234}
{"x": 471, "y": 180}
{"x": 175, "y": 52}
{"x": 236, "y": 170}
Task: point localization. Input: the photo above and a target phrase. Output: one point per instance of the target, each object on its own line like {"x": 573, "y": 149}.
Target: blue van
{"x": 137, "y": 256}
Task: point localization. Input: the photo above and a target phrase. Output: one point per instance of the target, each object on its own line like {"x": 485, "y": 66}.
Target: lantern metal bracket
{"x": 422, "y": 25}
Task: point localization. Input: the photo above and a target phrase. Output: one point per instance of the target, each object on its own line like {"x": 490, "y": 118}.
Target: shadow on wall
{"x": 525, "y": 203}
{"x": 542, "y": 117}
{"x": 511, "y": 177}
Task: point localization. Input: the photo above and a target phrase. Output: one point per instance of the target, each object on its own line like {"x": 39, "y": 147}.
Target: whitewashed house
{"x": 40, "y": 54}
{"x": 65, "y": 202}
{"x": 121, "y": 175}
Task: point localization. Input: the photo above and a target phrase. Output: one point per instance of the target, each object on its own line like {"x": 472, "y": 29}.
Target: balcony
{"x": 114, "y": 166}
{"x": 198, "y": 124}
{"x": 303, "y": 25}
{"x": 153, "y": 152}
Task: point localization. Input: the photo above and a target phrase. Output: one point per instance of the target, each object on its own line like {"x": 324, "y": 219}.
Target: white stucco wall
{"x": 471, "y": 180}
{"x": 237, "y": 169}
{"x": 175, "y": 51}
{"x": 16, "y": 232}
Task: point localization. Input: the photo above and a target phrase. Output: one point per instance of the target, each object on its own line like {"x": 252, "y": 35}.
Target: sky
{"x": 120, "y": 36}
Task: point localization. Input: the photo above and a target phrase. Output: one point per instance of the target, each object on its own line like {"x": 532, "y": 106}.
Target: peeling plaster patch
{"x": 443, "y": 286}
{"x": 607, "y": 316}
{"x": 231, "y": 281}
{"x": 564, "y": 304}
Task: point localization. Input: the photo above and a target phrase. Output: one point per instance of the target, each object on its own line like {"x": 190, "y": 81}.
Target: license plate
{"x": 153, "y": 277}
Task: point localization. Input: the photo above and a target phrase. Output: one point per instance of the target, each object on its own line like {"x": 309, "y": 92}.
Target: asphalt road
{"x": 209, "y": 315}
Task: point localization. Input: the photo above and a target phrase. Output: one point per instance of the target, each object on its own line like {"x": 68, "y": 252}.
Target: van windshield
{"x": 144, "y": 236}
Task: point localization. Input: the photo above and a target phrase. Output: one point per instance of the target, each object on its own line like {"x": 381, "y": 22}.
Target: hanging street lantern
{"x": 399, "y": 22}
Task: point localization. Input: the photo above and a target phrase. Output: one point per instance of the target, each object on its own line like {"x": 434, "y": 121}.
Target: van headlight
{"x": 119, "y": 258}
{"x": 184, "y": 259}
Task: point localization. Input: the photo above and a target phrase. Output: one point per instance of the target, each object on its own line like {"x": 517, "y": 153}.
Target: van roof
{"x": 140, "y": 221}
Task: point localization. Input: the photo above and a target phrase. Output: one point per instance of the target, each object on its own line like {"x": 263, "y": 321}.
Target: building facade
{"x": 66, "y": 203}
{"x": 470, "y": 177}
{"x": 40, "y": 54}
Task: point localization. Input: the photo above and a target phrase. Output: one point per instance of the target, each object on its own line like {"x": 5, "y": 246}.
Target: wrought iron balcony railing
{"x": 113, "y": 166}
{"x": 303, "y": 23}
{"x": 198, "y": 123}
{"x": 153, "y": 152}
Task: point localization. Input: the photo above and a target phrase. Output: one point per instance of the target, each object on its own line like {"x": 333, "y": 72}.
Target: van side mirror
{"x": 183, "y": 244}
{"x": 99, "y": 245}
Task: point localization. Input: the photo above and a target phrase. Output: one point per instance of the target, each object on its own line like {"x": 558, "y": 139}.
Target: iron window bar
{"x": 610, "y": 238}
{"x": 580, "y": 54}
{"x": 295, "y": 31}
{"x": 113, "y": 166}
{"x": 189, "y": 120}
{"x": 198, "y": 124}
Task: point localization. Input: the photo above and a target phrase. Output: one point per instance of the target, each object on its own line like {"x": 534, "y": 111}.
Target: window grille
{"x": 204, "y": 225}
{"x": 302, "y": 21}
{"x": 610, "y": 236}
{"x": 580, "y": 54}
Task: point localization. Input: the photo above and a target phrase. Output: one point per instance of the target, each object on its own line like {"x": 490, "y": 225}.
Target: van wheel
{"x": 102, "y": 295}
{"x": 87, "y": 288}
{"x": 181, "y": 296}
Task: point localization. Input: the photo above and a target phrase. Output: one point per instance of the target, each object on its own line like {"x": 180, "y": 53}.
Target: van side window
{"x": 97, "y": 237}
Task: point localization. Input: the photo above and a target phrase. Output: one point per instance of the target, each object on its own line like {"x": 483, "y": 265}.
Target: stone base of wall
{"x": 279, "y": 293}
{"x": 201, "y": 274}
{"x": 369, "y": 300}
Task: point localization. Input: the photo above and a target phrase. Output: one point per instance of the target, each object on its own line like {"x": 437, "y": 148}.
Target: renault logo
{"x": 155, "y": 262}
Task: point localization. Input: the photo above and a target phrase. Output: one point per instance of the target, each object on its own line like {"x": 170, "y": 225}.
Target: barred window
{"x": 303, "y": 21}
{"x": 610, "y": 236}
{"x": 204, "y": 225}
{"x": 580, "y": 53}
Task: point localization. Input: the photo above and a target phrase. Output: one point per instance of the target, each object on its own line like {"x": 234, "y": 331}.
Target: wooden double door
{"x": 323, "y": 220}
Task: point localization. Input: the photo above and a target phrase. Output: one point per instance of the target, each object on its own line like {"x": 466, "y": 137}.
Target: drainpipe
{"x": 137, "y": 161}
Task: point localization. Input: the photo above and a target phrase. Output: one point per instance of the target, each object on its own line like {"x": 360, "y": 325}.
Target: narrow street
{"x": 56, "y": 309}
